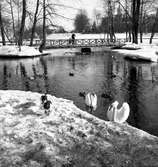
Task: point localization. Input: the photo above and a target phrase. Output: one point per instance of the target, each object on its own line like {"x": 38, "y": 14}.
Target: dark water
{"x": 136, "y": 83}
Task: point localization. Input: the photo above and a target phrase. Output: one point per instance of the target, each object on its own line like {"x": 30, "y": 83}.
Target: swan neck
{"x": 115, "y": 111}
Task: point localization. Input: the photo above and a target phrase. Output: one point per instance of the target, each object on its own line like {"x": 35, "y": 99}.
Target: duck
{"x": 82, "y": 94}
{"x": 39, "y": 75}
{"x": 118, "y": 115}
{"x": 32, "y": 78}
{"x": 71, "y": 74}
{"x": 44, "y": 98}
{"x": 91, "y": 100}
{"x": 107, "y": 95}
{"x": 114, "y": 75}
{"x": 46, "y": 106}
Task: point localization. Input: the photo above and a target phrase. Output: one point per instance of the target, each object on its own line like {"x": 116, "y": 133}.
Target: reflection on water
{"x": 100, "y": 72}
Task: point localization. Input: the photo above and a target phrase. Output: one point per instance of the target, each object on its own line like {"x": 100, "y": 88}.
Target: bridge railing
{"x": 64, "y": 43}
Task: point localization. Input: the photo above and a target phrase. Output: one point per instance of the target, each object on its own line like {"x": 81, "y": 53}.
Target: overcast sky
{"x": 68, "y": 12}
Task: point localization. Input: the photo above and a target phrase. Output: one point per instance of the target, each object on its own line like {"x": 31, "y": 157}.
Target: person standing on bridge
{"x": 73, "y": 38}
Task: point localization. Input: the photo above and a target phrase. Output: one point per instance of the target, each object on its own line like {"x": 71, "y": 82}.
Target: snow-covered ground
{"x": 67, "y": 137}
{"x": 143, "y": 51}
{"x": 97, "y": 36}
{"x": 13, "y": 50}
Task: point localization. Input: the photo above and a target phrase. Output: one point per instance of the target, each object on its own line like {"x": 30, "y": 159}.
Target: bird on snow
{"x": 118, "y": 115}
{"x": 44, "y": 98}
{"x": 46, "y": 106}
{"x": 91, "y": 100}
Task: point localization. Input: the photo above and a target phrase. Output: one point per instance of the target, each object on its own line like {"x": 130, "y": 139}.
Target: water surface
{"x": 135, "y": 83}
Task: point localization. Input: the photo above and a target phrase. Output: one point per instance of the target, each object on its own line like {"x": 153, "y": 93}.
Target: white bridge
{"x": 66, "y": 43}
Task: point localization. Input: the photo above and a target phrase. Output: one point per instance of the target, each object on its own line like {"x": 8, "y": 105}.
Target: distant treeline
{"x": 119, "y": 23}
{"x": 19, "y": 22}
{"x": 132, "y": 17}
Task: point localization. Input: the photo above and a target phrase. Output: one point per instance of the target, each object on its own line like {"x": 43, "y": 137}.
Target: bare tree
{"x": 154, "y": 27}
{"x": 42, "y": 46}
{"x": 135, "y": 19}
{"x": 141, "y": 20}
{"x": 21, "y": 33}
{"x": 1, "y": 26}
{"x": 34, "y": 23}
{"x": 109, "y": 6}
{"x": 126, "y": 6}
{"x": 111, "y": 21}
{"x": 10, "y": 3}
{"x": 145, "y": 8}
{"x": 12, "y": 14}
{"x": 18, "y": 9}
{"x": 128, "y": 20}
{"x": 44, "y": 23}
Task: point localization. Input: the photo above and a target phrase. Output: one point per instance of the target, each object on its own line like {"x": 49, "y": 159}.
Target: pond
{"x": 135, "y": 83}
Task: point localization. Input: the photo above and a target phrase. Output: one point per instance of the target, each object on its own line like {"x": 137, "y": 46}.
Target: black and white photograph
{"x": 78, "y": 83}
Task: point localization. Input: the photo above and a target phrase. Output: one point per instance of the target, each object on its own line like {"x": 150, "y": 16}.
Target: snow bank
{"x": 67, "y": 137}
{"x": 13, "y": 50}
{"x": 144, "y": 51}
{"x": 78, "y": 36}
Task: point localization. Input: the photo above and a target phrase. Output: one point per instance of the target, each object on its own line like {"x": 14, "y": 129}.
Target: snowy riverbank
{"x": 67, "y": 137}
{"x": 140, "y": 51}
{"x": 14, "y": 51}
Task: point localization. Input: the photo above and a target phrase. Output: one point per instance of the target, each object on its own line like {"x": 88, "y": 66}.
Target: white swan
{"x": 91, "y": 100}
{"x": 118, "y": 115}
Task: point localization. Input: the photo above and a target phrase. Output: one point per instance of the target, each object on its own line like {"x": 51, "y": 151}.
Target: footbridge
{"x": 67, "y": 43}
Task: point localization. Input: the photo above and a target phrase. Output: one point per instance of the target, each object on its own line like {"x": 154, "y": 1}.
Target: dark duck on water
{"x": 71, "y": 74}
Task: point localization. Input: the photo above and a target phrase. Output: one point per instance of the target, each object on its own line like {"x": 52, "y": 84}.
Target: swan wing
{"x": 87, "y": 99}
{"x": 94, "y": 101}
{"x": 122, "y": 113}
{"x": 110, "y": 113}
{"x": 91, "y": 100}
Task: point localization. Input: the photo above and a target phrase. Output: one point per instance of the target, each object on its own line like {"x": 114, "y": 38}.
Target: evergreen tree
{"x": 82, "y": 22}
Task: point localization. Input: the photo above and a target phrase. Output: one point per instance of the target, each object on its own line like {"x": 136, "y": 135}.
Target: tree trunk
{"x": 18, "y": 12}
{"x": 153, "y": 27}
{"x": 130, "y": 36}
{"x": 141, "y": 21}
{"x": 126, "y": 21}
{"x": 135, "y": 20}
{"x": 44, "y": 25}
{"x": 21, "y": 33}
{"x": 111, "y": 22}
{"x": 2, "y": 27}
{"x": 151, "y": 37}
{"x": 141, "y": 36}
{"x": 12, "y": 14}
{"x": 34, "y": 23}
